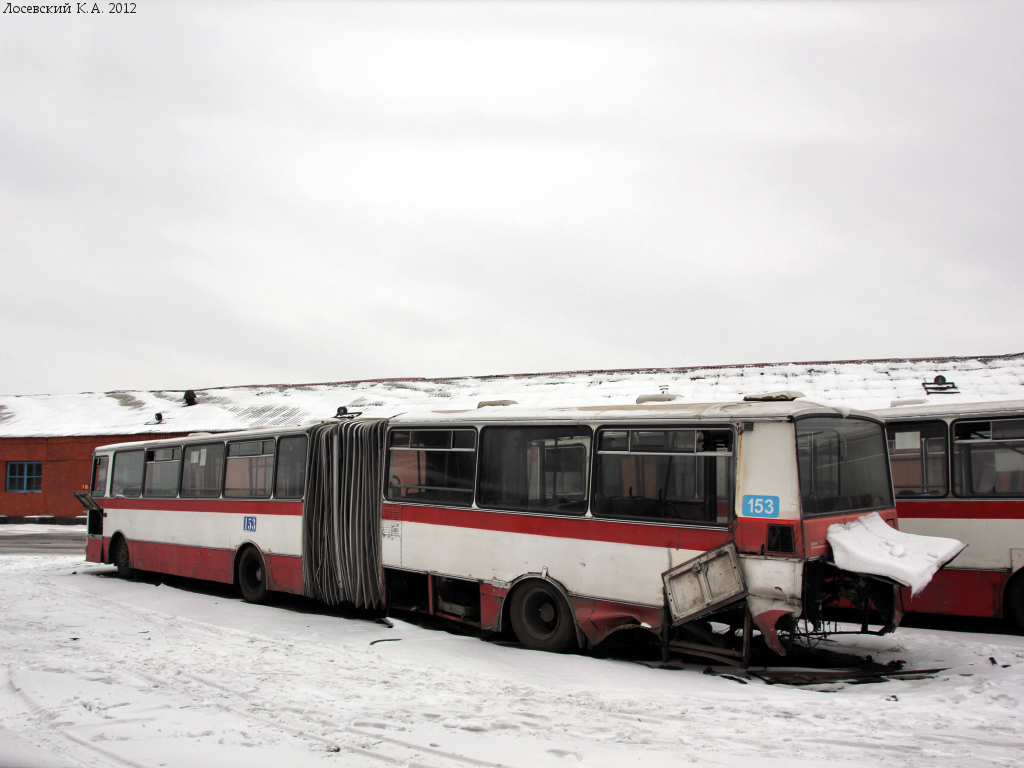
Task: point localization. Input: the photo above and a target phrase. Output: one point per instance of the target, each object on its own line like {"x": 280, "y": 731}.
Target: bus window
{"x": 678, "y": 475}
{"x": 918, "y": 458}
{"x": 202, "y": 471}
{"x": 127, "y": 480}
{"x": 535, "y": 468}
{"x": 250, "y": 469}
{"x": 291, "y": 467}
{"x": 99, "y": 475}
{"x": 434, "y": 466}
{"x": 162, "y": 467}
{"x": 989, "y": 458}
{"x": 843, "y": 466}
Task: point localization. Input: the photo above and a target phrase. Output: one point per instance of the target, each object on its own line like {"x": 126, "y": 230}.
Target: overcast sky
{"x": 212, "y": 193}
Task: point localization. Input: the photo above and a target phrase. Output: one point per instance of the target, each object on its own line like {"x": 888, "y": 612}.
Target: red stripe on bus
{"x": 582, "y": 528}
{"x": 955, "y": 592}
{"x": 227, "y": 506}
{"x": 962, "y": 509}
{"x": 284, "y": 572}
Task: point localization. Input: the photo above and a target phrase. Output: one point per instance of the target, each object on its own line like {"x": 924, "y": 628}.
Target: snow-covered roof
{"x": 866, "y": 384}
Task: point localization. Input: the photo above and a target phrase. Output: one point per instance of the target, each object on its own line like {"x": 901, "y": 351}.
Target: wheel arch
{"x": 1013, "y": 600}
{"x": 520, "y": 581}
{"x": 239, "y": 551}
{"x": 116, "y": 536}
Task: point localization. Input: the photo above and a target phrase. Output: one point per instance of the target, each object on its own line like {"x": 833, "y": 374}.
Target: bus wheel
{"x": 122, "y": 560}
{"x": 541, "y": 619}
{"x": 252, "y": 576}
{"x": 1013, "y": 607}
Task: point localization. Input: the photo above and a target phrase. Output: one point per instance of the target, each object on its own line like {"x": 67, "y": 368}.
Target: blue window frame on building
{"x": 24, "y": 476}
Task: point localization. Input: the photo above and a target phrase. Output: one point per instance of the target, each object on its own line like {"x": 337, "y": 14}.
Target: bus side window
{"x": 291, "y": 467}
{"x": 669, "y": 475}
{"x": 535, "y": 469}
{"x": 433, "y": 466}
{"x": 203, "y": 471}
{"x": 918, "y": 458}
{"x": 127, "y": 479}
{"x": 989, "y": 458}
{"x": 250, "y": 469}
{"x": 99, "y": 475}
{"x": 162, "y": 468}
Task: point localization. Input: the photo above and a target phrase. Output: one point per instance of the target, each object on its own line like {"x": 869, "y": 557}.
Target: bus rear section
{"x": 958, "y": 471}
{"x": 660, "y": 518}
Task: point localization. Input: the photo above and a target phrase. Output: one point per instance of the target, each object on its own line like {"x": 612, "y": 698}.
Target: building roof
{"x": 865, "y": 384}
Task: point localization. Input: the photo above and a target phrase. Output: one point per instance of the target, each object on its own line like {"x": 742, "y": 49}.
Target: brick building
{"x": 46, "y": 441}
{"x": 42, "y": 472}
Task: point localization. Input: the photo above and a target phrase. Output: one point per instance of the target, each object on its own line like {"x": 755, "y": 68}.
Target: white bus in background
{"x": 567, "y": 524}
{"x": 958, "y": 471}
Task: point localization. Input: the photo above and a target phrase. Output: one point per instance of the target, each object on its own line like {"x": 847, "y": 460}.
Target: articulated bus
{"x": 958, "y": 471}
{"x": 564, "y": 524}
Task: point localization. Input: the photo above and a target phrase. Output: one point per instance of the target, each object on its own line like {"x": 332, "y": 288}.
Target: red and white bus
{"x": 567, "y": 524}
{"x": 958, "y": 471}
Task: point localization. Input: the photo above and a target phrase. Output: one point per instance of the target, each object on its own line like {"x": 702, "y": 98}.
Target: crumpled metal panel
{"x": 706, "y": 582}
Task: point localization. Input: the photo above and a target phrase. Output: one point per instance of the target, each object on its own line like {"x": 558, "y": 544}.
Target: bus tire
{"x": 252, "y": 576}
{"x": 122, "y": 559}
{"x": 1013, "y": 605}
{"x": 541, "y": 619}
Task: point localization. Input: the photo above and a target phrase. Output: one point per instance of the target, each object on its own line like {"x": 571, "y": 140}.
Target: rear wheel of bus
{"x": 252, "y": 576}
{"x": 541, "y": 619}
{"x": 1013, "y": 606}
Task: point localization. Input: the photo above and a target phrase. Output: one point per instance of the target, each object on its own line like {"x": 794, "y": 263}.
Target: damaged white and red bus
{"x": 958, "y": 470}
{"x": 566, "y": 524}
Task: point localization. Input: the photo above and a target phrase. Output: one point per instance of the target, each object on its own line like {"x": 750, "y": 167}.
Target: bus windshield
{"x": 843, "y": 466}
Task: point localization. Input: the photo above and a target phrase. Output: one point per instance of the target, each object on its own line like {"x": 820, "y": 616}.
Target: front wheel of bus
{"x": 122, "y": 559}
{"x": 541, "y": 619}
{"x": 252, "y": 576}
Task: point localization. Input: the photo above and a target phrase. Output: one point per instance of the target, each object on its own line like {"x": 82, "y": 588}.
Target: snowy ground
{"x": 97, "y": 671}
{"x": 37, "y": 539}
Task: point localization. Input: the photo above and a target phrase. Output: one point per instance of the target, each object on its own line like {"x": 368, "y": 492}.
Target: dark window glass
{"x": 291, "y": 467}
{"x": 665, "y": 476}
{"x": 540, "y": 469}
{"x": 24, "y": 476}
{"x": 988, "y": 458}
{"x": 918, "y": 458}
{"x": 438, "y": 467}
{"x": 162, "y": 468}
{"x": 127, "y": 477}
{"x": 99, "y": 475}
{"x": 432, "y": 438}
{"x": 843, "y": 466}
{"x": 613, "y": 441}
{"x": 250, "y": 469}
{"x": 202, "y": 471}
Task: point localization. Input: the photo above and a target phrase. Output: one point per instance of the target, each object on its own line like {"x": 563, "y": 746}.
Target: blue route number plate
{"x": 760, "y": 506}
{"x": 248, "y": 523}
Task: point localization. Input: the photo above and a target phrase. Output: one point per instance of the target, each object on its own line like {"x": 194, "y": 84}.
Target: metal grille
{"x": 781, "y": 540}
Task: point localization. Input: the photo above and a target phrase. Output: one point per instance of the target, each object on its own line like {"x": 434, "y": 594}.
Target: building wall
{"x": 67, "y": 465}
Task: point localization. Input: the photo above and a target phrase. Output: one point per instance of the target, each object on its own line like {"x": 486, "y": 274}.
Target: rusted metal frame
{"x": 724, "y": 655}
{"x": 748, "y": 633}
